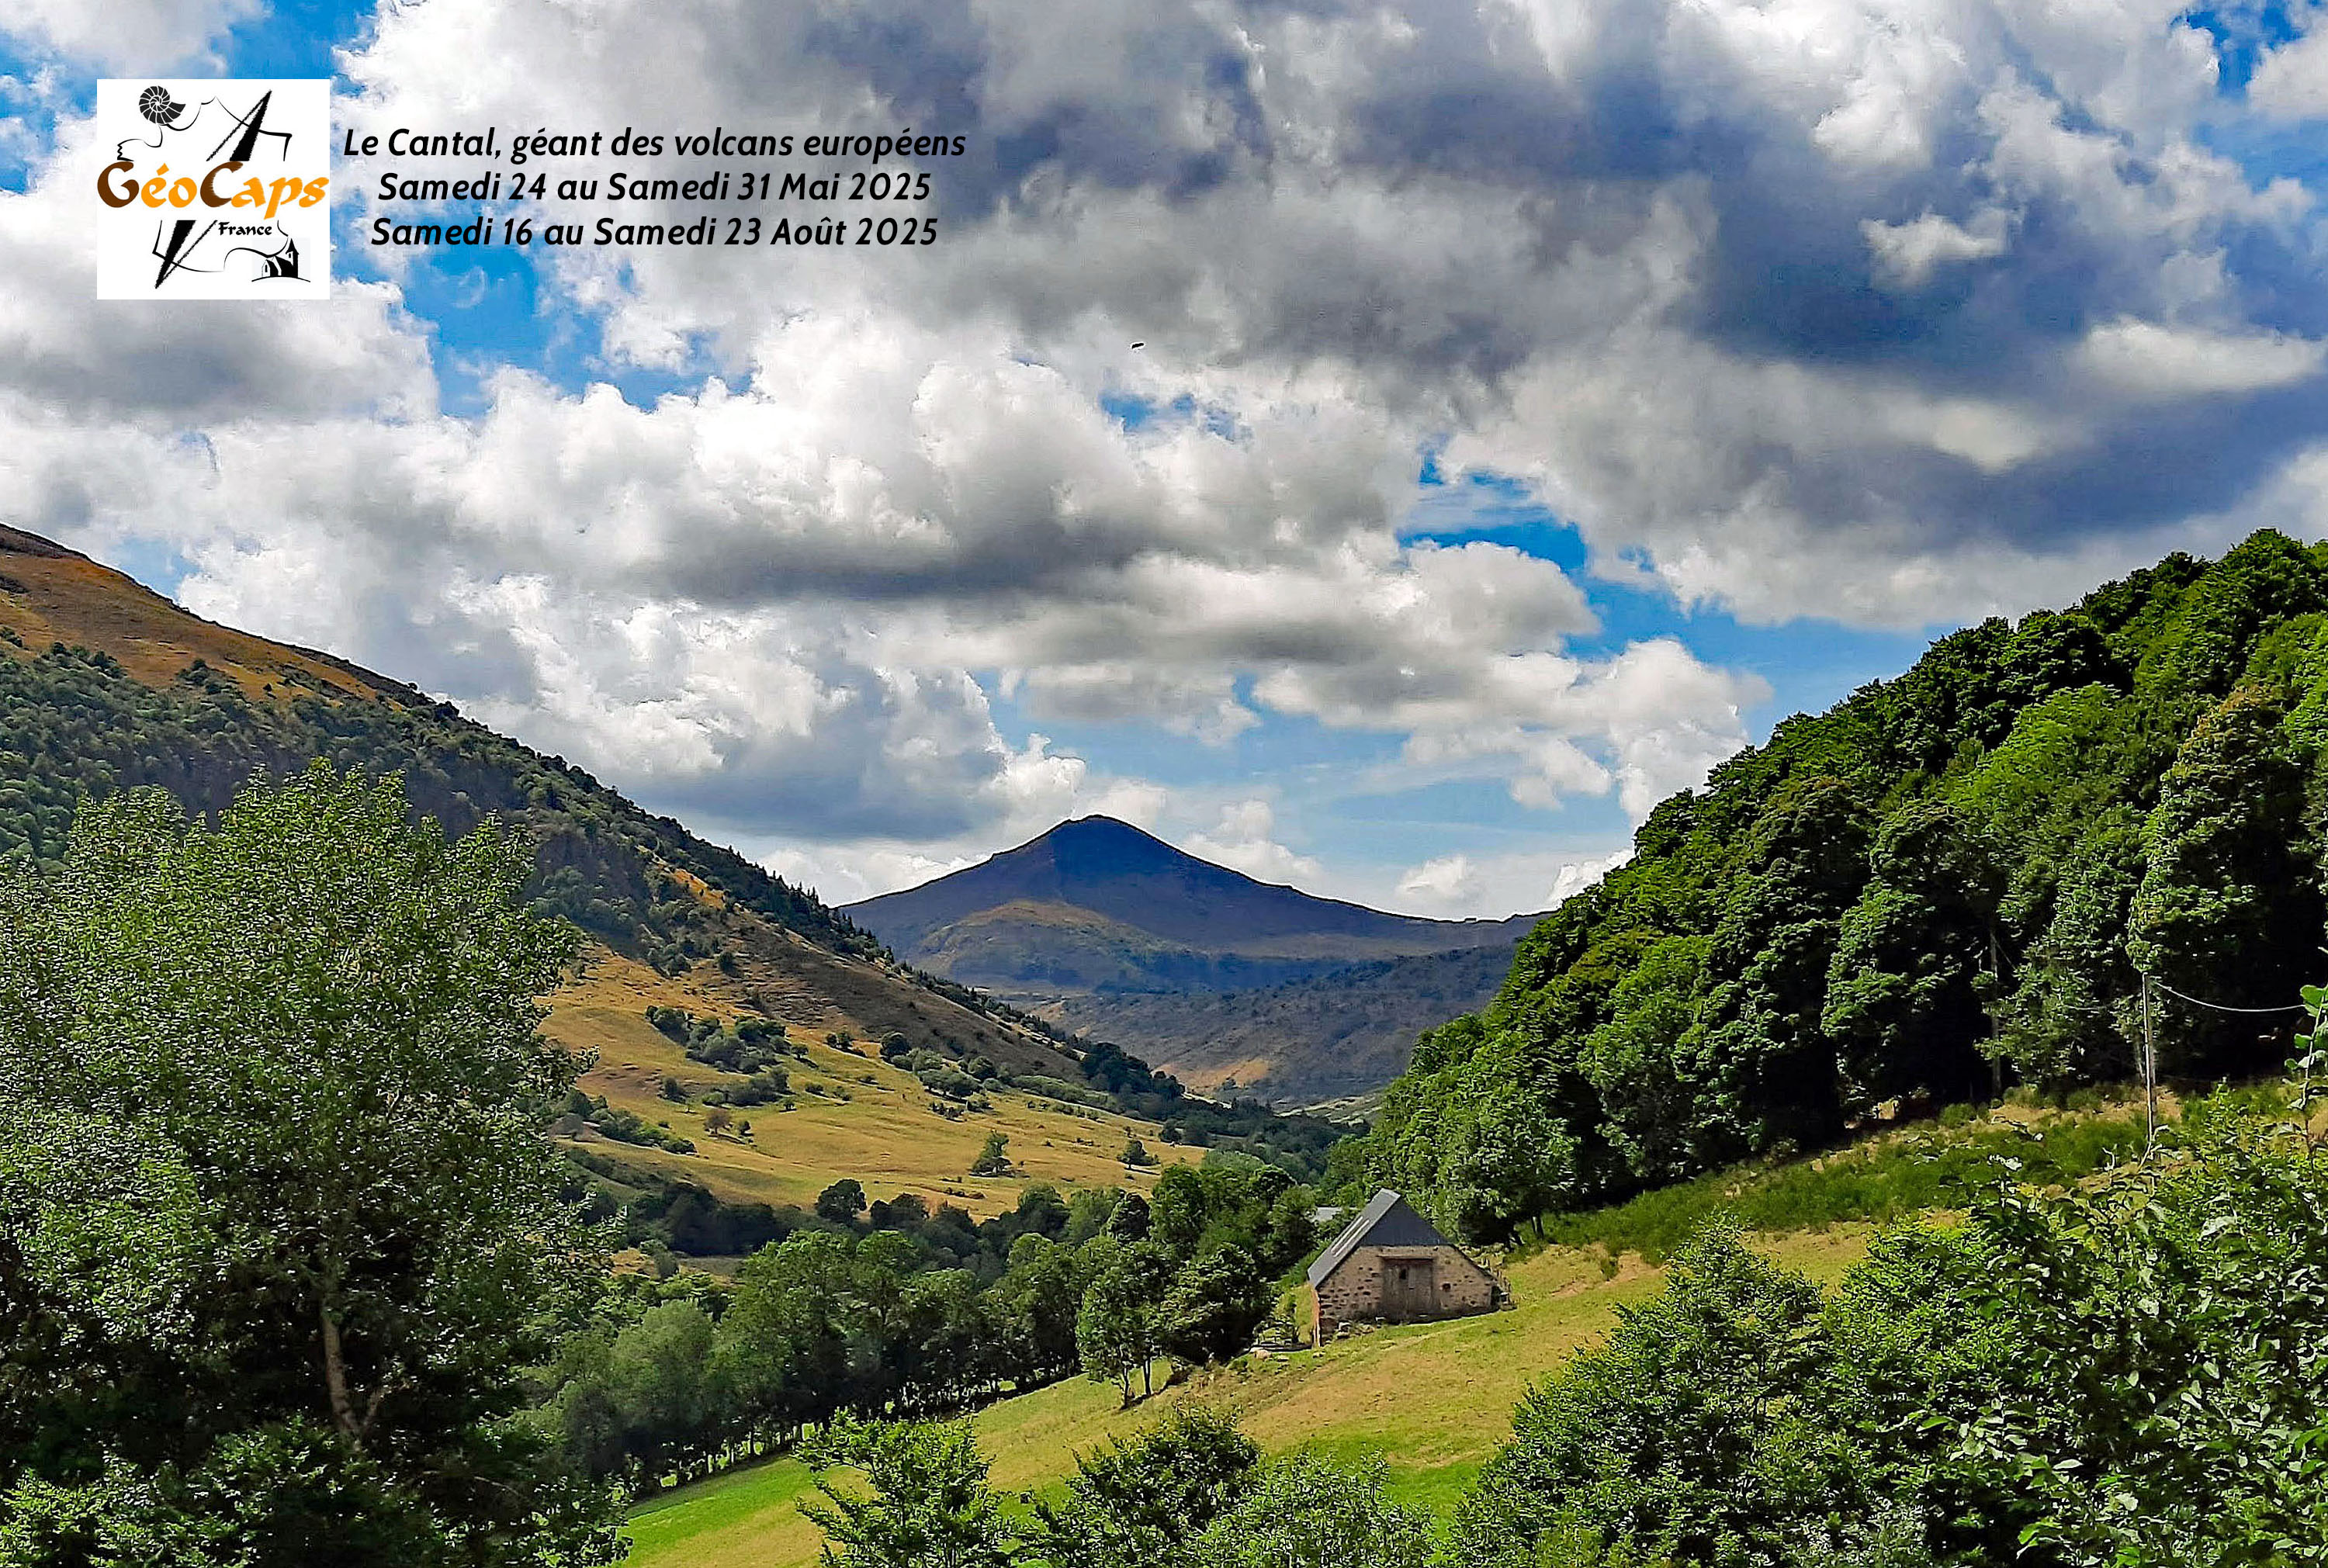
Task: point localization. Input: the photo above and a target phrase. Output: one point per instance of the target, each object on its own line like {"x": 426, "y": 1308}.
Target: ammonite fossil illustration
{"x": 154, "y": 104}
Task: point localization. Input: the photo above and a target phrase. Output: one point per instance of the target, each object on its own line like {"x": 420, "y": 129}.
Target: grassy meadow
{"x": 854, "y": 1115}
{"x": 1432, "y": 1400}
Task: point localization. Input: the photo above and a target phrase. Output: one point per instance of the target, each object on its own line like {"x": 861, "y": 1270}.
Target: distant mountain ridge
{"x": 1343, "y": 1034}
{"x": 1218, "y": 975}
{"x": 1177, "y": 922}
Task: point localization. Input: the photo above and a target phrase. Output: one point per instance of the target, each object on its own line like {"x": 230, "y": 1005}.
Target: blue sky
{"x": 1534, "y": 405}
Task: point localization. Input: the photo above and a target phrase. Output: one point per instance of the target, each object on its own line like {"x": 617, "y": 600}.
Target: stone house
{"x": 1391, "y": 1265}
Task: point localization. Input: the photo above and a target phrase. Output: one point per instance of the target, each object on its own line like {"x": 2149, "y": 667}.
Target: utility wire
{"x": 2218, "y": 1007}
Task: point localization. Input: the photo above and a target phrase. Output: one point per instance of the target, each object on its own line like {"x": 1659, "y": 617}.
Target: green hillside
{"x": 106, "y": 686}
{"x": 1950, "y": 883}
{"x": 1435, "y": 1401}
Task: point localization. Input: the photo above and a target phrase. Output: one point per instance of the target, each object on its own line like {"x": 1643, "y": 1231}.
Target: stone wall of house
{"x": 1465, "y": 1286}
{"x": 1353, "y": 1292}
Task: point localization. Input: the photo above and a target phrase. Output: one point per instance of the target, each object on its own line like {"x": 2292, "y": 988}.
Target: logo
{"x": 214, "y": 190}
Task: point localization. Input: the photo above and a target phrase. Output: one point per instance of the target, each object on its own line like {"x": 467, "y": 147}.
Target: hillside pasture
{"x": 1432, "y": 1400}
{"x": 882, "y": 1132}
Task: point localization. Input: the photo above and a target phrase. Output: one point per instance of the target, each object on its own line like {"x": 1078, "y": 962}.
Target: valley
{"x": 1235, "y": 986}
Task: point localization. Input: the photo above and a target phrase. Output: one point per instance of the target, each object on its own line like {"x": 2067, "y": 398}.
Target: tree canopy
{"x": 1946, "y": 883}
{"x": 277, "y": 1226}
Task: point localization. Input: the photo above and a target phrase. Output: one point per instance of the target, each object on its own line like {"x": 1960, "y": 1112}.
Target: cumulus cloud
{"x": 1907, "y": 254}
{"x": 2146, "y": 360}
{"x": 1889, "y": 311}
{"x": 128, "y": 36}
{"x": 1242, "y": 842}
{"x": 1576, "y": 876}
{"x": 2291, "y": 82}
{"x": 1448, "y": 882}
{"x": 1499, "y": 882}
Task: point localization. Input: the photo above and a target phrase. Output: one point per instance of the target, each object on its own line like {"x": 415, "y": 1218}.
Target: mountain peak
{"x": 1097, "y": 903}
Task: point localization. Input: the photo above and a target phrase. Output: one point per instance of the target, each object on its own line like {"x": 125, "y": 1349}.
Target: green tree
{"x": 1118, "y": 1328}
{"x": 1141, "y": 1504}
{"x": 303, "y": 1042}
{"x": 1127, "y": 1220}
{"x": 1179, "y": 1210}
{"x": 1035, "y": 1304}
{"x": 784, "y": 1342}
{"x": 1658, "y": 1439}
{"x": 926, "y": 1503}
{"x": 841, "y": 1202}
{"x": 1905, "y": 987}
{"x": 994, "y": 1160}
{"x": 1306, "y": 1512}
{"x": 1644, "y": 1062}
{"x": 2228, "y": 910}
{"x": 2072, "y": 1017}
{"x": 1774, "y": 1078}
{"x": 1216, "y": 1303}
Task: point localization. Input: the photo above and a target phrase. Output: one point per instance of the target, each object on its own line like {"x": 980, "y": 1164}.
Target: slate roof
{"x": 1388, "y": 1220}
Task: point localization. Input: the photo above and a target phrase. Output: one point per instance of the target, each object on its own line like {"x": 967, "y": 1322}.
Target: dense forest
{"x": 1950, "y": 882}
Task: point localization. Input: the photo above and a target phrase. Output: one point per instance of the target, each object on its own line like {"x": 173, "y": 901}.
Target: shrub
{"x": 2130, "y": 1374}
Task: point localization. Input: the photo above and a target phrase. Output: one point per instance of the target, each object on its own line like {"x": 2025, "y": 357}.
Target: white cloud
{"x": 1241, "y": 841}
{"x": 123, "y": 36}
{"x": 1576, "y": 876}
{"x": 1448, "y": 882}
{"x": 1907, "y": 254}
{"x": 1626, "y": 255}
{"x": 2142, "y": 359}
{"x": 2291, "y": 82}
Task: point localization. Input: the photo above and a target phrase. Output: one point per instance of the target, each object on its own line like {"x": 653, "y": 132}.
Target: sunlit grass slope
{"x": 1432, "y": 1400}
{"x": 854, "y": 1115}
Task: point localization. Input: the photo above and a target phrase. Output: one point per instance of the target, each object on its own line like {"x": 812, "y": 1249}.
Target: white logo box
{"x": 177, "y": 220}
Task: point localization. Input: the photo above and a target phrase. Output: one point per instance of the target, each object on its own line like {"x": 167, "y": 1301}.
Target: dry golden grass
{"x": 69, "y": 598}
{"x": 884, "y": 1134}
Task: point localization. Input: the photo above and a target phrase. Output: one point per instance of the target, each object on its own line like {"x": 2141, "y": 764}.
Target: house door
{"x": 1409, "y": 1290}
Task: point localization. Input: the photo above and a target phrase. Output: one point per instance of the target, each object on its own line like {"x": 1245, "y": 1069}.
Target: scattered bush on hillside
{"x": 841, "y": 1202}
{"x": 951, "y": 1082}
{"x": 764, "y": 1088}
{"x": 1058, "y": 1089}
{"x": 624, "y": 1126}
{"x": 747, "y": 1046}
